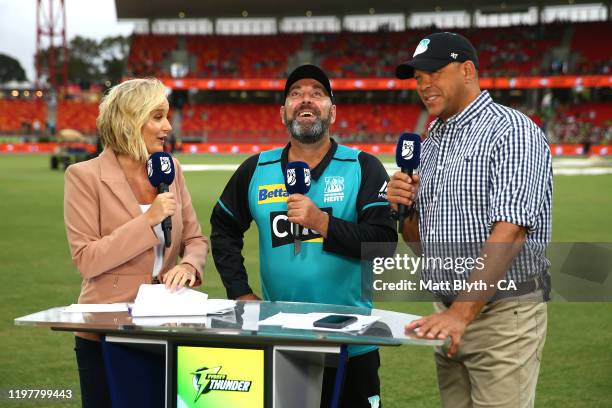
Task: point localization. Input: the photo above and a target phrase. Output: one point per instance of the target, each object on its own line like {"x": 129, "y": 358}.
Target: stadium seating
{"x": 585, "y": 123}
{"x": 77, "y": 115}
{"x": 255, "y": 56}
{"x": 595, "y": 52}
{"x": 258, "y": 122}
{"x": 148, "y": 52}
{"x": 17, "y": 113}
{"x": 503, "y": 51}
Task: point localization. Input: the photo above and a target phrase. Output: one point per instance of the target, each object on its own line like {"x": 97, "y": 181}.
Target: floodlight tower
{"x": 51, "y": 31}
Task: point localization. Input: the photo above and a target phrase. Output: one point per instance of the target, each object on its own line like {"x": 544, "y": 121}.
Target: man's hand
{"x": 441, "y": 325}
{"x": 301, "y": 210}
{"x": 402, "y": 189}
{"x": 250, "y": 296}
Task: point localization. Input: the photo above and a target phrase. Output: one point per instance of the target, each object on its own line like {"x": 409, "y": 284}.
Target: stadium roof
{"x": 164, "y": 9}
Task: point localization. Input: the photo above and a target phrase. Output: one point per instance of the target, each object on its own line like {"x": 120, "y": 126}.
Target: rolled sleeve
{"x": 521, "y": 174}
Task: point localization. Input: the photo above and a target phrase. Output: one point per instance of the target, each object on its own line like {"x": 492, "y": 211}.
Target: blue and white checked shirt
{"x": 485, "y": 164}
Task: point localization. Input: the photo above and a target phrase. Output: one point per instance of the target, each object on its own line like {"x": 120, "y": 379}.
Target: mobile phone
{"x": 334, "y": 321}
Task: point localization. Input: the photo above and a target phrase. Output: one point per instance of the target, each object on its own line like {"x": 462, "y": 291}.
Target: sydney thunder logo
{"x": 207, "y": 379}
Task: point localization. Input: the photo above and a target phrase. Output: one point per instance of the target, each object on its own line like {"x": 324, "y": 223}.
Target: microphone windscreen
{"x": 408, "y": 151}
{"x": 297, "y": 177}
{"x": 160, "y": 169}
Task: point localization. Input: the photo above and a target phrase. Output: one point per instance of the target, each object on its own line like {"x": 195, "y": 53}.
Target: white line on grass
{"x": 561, "y": 168}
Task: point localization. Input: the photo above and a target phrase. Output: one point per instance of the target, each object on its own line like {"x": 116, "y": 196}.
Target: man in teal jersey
{"x": 345, "y": 206}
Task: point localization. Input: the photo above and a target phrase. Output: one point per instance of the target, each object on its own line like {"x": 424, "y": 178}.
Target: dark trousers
{"x": 92, "y": 375}
{"x": 361, "y": 387}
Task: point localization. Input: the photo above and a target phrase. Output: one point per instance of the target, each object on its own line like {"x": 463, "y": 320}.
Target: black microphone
{"x": 407, "y": 157}
{"x": 297, "y": 181}
{"x": 160, "y": 169}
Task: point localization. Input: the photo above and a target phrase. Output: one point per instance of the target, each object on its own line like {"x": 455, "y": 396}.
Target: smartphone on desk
{"x": 334, "y": 321}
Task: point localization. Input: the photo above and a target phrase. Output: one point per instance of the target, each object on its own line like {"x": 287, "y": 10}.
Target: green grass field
{"x": 36, "y": 273}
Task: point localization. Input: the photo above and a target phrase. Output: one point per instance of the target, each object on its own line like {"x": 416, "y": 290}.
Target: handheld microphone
{"x": 297, "y": 181}
{"x": 160, "y": 169}
{"x": 407, "y": 157}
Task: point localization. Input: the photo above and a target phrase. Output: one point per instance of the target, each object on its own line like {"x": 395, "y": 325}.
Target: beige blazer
{"x": 111, "y": 243}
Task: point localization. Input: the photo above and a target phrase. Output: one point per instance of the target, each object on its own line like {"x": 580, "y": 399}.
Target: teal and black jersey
{"x": 348, "y": 184}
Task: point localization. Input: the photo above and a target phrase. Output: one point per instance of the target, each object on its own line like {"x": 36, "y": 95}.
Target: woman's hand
{"x": 163, "y": 206}
{"x": 178, "y": 276}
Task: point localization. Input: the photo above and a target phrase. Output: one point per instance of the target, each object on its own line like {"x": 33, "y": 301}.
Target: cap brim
{"x": 309, "y": 72}
{"x": 406, "y": 69}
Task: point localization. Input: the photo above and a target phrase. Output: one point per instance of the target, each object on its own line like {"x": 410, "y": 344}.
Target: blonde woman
{"x": 113, "y": 214}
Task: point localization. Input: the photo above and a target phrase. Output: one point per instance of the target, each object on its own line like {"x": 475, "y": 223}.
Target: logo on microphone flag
{"x": 307, "y": 177}
{"x": 149, "y": 168}
{"x": 291, "y": 179}
{"x": 407, "y": 149}
{"x": 166, "y": 167}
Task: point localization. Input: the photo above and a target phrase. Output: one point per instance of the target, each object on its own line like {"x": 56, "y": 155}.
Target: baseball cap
{"x": 436, "y": 51}
{"x": 311, "y": 72}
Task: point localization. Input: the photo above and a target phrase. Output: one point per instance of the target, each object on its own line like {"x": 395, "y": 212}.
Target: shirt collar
{"x": 320, "y": 168}
{"x": 464, "y": 117}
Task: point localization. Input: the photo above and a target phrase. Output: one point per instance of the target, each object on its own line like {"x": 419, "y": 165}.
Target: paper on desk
{"x": 157, "y": 300}
{"x": 305, "y": 321}
{"x": 95, "y": 307}
{"x": 171, "y": 320}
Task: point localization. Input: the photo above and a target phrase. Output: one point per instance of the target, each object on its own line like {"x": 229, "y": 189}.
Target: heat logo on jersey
{"x": 334, "y": 189}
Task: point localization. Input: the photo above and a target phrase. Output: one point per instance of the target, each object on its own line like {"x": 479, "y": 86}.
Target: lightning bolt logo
{"x": 201, "y": 379}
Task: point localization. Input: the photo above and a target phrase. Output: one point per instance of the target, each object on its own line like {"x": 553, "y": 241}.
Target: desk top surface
{"x": 238, "y": 325}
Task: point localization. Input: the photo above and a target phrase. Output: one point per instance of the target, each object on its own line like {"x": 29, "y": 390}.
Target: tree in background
{"x": 94, "y": 62}
{"x": 10, "y": 69}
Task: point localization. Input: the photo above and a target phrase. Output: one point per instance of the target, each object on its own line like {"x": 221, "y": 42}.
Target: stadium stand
{"x": 15, "y": 115}
{"x": 503, "y": 51}
{"x": 247, "y": 122}
{"x": 590, "y": 43}
{"x": 148, "y": 52}
{"x": 256, "y": 56}
{"x": 77, "y": 115}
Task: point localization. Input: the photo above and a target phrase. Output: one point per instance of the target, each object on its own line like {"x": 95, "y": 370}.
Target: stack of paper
{"x": 157, "y": 300}
{"x": 305, "y": 322}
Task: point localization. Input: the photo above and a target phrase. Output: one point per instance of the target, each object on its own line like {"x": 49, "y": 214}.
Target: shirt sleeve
{"x": 230, "y": 219}
{"x": 374, "y": 222}
{"x": 521, "y": 170}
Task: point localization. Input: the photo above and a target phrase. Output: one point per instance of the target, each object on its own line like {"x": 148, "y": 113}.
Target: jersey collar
{"x": 320, "y": 168}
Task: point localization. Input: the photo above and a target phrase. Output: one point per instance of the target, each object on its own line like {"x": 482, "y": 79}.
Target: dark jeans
{"x": 92, "y": 375}
{"x": 361, "y": 387}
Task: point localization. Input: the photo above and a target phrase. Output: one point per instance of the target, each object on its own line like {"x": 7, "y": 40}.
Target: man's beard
{"x": 308, "y": 133}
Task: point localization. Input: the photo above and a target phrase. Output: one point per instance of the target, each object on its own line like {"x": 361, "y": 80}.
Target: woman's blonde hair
{"x": 123, "y": 112}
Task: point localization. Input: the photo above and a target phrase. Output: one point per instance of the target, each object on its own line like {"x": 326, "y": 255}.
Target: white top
{"x": 159, "y": 249}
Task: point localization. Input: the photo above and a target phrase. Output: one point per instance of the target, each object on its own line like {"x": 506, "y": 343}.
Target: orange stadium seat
{"x": 502, "y": 51}
{"x": 15, "y": 113}
{"x": 595, "y": 52}
{"x": 250, "y": 122}
{"x": 77, "y": 115}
